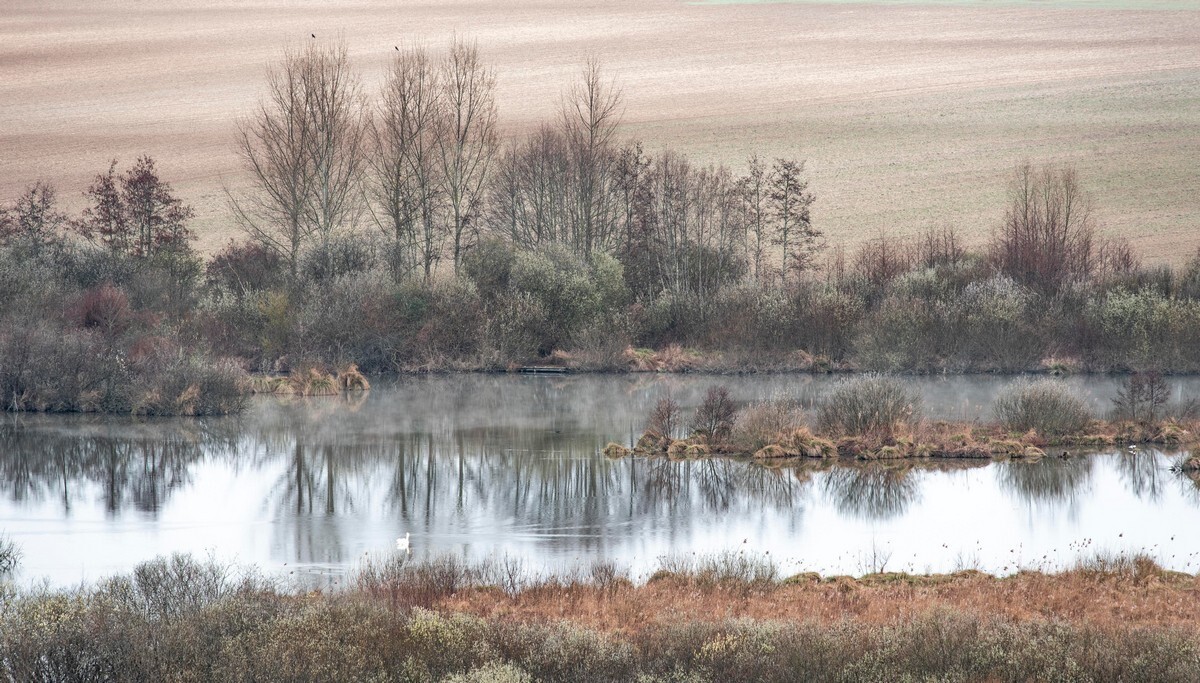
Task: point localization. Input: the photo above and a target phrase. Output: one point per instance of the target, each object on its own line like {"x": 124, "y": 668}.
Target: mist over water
{"x": 493, "y": 465}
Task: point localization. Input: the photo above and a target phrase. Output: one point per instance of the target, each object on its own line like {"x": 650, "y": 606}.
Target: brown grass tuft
{"x": 351, "y": 379}
{"x": 616, "y": 451}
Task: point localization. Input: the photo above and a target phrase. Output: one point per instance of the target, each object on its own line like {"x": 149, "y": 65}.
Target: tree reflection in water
{"x": 1189, "y": 481}
{"x": 444, "y": 472}
{"x": 882, "y": 490}
{"x": 484, "y": 460}
{"x": 1144, "y": 472}
{"x": 1049, "y": 481}
{"x": 132, "y": 464}
{"x": 872, "y": 491}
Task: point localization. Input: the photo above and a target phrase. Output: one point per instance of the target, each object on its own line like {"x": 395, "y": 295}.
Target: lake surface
{"x": 487, "y": 465}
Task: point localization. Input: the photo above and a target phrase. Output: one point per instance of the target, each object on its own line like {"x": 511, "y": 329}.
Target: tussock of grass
{"x": 315, "y": 382}
{"x": 262, "y": 384}
{"x": 311, "y": 382}
{"x": 351, "y": 379}
{"x": 763, "y": 422}
{"x": 800, "y": 443}
{"x": 671, "y": 358}
{"x": 770, "y": 452}
{"x": 677, "y": 449}
{"x": 653, "y": 443}
{"x": 616, "y": 451}
{"x": 1033, "y": 453}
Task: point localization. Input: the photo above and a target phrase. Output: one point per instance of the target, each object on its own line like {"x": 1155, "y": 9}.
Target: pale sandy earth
{"x": 908, "y": 115}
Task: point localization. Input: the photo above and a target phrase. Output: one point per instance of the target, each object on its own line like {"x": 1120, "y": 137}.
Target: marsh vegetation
{"x": 730, "y": 616}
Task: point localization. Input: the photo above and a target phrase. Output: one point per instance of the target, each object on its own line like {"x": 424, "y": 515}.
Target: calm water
{"x": 493, "y": 465}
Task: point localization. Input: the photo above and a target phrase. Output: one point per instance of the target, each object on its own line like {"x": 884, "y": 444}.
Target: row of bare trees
{"x": 423, "y": 163}
{"x": 321, "y": 157}
{"x": 560, "y": 184}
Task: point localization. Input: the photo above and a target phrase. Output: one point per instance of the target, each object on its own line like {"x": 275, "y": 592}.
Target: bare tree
{"x": 336, "y": 107}
{"x": 560, "y": 184}
{"x": 466, "y": 138}
{"x": 590, "y": 113}
{"x": 691, "y": 225}
{"x": 665, "y": 417}
{"x": 406, "y": 180}
{"x": 106, "y": 220}
{"x": 529, "y": 190}
{"x": 1142, "y": 397}
{"x": 632, "y": 193}
{"x": 793, "y": 230}
{"x": 882, "y": 259}
{"x": 667, "y": 219}
{"x": 754, "y": 190}
{"x": 938, "y": 247}
{"x": 1047, "y": 238}
{"x": 303, "y": 149}
{"x": 714, "y": 418}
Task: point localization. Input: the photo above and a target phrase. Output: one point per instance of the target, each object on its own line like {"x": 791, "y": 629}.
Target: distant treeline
{"x": 394, "y": 230}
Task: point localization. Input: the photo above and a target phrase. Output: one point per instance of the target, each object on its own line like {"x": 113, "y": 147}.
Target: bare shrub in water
{"x": 664, "y": 418}
{"x": 1046, "y": 406}
{"x": 714, "y": 418}
{"x": 869, "y": 405}
{"x": 178, "y": 383}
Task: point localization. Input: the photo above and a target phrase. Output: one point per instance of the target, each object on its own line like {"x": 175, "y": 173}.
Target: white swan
{"x": 402, "y": 543}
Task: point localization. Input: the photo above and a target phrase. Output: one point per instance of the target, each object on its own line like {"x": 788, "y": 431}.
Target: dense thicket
{"x": 92, "y": 310}
{"x": 394, "y": 230}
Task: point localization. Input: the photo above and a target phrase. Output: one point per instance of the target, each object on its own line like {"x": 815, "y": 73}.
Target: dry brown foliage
{"x": 1135, "y": 594}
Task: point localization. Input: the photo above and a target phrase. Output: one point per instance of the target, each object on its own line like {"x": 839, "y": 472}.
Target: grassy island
{"x": 874, "y": 417}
